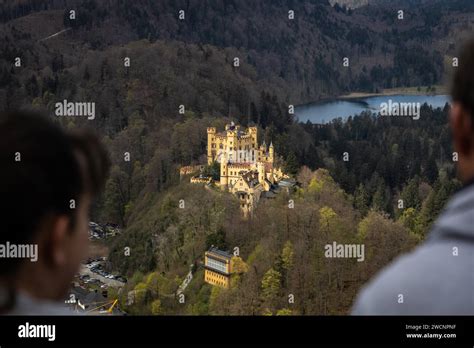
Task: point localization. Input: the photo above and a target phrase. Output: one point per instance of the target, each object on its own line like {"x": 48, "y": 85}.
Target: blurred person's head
{"x": 48, "y": 178}
{"x": 462, "y": 112}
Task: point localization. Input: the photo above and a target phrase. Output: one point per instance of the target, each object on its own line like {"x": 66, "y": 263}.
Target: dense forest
{"x": 281, "y": 248}
{"x": 190, "y": 62}
{"x": 296, "y": 60}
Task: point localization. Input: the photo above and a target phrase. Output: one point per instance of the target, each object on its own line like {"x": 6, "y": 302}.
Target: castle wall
{"x": 232, "y": 145}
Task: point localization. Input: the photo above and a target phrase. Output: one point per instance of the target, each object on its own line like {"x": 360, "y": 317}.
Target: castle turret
{"x": 271, "y": 152}
{"x": 261, "y": 172}
{"x": 231, "y": 144}
{"x": 224, "y": 173}
{"x": 211, "y": 145}
{"x": 253, "y": 133}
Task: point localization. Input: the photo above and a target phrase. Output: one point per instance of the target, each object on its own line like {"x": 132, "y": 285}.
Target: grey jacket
{"x": 26, "y": 305}
{"x": 437, "y": 278}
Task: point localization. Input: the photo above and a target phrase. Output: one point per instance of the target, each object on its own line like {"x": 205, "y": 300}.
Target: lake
{"x": 323, "y": 112}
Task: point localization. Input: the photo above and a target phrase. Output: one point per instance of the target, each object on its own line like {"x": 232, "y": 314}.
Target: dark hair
{"x": 462, "y": 89}
{"x": 42, "y": 168}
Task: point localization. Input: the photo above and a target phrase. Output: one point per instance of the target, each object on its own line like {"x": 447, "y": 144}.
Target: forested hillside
{"x": 363, "y": 207}
{"x": 282, "y": 251}
{"x": 298, "y": 60}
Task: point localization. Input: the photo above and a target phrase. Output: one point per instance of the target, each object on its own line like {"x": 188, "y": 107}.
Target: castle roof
{"x": 241, "y": 134}
{"x": 268, "y": 167}
{"x": 251, "y": 178}
{"x": 234, "y": 128}
{"x": 287, "y": 183}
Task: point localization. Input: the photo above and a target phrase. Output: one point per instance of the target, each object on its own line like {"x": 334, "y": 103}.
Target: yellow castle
{"x": 246, "y": 169}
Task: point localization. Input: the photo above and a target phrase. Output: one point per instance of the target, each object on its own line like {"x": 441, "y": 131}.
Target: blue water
{"x": 323, "y": 112}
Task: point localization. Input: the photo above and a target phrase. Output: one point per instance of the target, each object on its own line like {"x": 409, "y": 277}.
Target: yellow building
{"x": 217, "y": 264}
{"x": 246, "y": 169}
{"x": 234, "y": 144}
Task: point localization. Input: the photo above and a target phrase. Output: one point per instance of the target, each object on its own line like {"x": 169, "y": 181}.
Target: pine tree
{"x": 410, "y": 194}
{"x": 291, "y": 165}
{"x": 271, "y": 284}
{"x": 361, "y": 200}
{"x": 379, "y": 198}
{"x": 430, "y": 170}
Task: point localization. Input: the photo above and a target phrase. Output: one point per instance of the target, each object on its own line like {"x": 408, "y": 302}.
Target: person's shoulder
{"x": 417, "y": 282}
{"x": 26, "y": 305}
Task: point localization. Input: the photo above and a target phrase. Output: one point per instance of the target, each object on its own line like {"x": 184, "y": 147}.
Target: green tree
{"x": 116, "y": 196}
{"x": 213, "y": 170}
{"x": 156, "y": 307}
{"x": 380, "y": 198}
{"x": 287, "y": 256}
{"x": 216, "y": 239}
{"x": 140, "y": 293}
{"x": 361, "y": 200}
{"x": 284, "y": 311}
{"x": 410, "y": 194}
{"x": 430, "y": 170}
{"x": 291, "y": 165}
{"x": 327, "y": 216}
{"x": 409, "y": 219}
{"x": 271, "y": 284}
{"x": 238, "y": 265}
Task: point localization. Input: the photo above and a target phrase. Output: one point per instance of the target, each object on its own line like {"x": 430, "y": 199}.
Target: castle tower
{"x": 254, "y": 144}
{"x": 224, "y": 172}
{"x": 271, "y": 153}
{"x": 261, "y": 172}
{"x": 253, "y": 133}
{"x": 262, "y": 151}
{"x": 211, "y": 144}
{"x": 231, "y": 144}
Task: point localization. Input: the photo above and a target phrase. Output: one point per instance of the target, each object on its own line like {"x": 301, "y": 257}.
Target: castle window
{"x": 217, "y": 265}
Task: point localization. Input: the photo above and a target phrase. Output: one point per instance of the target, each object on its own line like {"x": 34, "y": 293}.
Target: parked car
{"x": 95, "y": 281}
